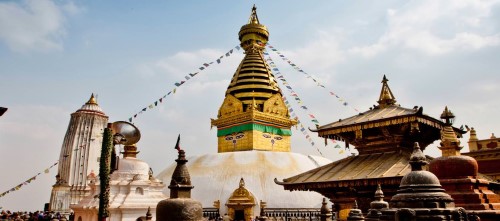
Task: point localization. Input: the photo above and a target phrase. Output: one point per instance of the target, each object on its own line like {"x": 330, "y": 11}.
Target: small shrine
{"x": 240, "y": 204}
{"x": 180, "y": 206}
{"x": 421, "y": 197}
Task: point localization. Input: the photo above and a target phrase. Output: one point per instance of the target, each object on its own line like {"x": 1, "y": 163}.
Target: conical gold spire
{"x": 386, "y": 97}
{"x": 253, "y": 112}
{"x": 450, "y": 144}
{"x": 92, "y": 100}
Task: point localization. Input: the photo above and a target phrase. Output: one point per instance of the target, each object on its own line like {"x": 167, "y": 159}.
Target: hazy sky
{"x": 54, "y": 54}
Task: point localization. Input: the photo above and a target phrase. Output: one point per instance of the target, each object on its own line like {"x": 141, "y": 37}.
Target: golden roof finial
{"x": 450, "y": 144}
{"x": 92, "y": 100}
{"x": 253, "y": 17}
{"x": 386, "y": 97}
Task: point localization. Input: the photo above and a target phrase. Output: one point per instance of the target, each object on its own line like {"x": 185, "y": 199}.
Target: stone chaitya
{"x": 180, "y": 206}
{"x": 421, "y": 197}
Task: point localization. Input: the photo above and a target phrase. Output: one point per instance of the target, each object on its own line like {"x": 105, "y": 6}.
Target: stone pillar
{"x": 326, "y": 214}
{"x": 355, "y": 214}
{"x": 377, "y": 205}
{"x": 262, "y": 216}
{"x": 180, "y": 206}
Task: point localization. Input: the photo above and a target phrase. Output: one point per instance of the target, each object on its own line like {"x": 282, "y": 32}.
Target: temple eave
{"x": 253, "y": 117}
{"x": 314, "y": 186}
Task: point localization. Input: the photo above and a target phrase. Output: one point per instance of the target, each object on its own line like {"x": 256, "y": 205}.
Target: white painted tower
{"x": 79, "y": 156}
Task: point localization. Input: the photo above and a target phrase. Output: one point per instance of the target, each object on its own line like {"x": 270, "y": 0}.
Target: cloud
{"x": 34, "y": 25}
{"x": 436, "y": 28}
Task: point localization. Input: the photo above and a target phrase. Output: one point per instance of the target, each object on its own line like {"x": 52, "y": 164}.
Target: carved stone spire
{"x": 386, "y": 97}
{"x": 180, "y": 206}
{"x": 376, "y": 205}
{"x": 355, "y": 213}
{"x": 180, "y": 185}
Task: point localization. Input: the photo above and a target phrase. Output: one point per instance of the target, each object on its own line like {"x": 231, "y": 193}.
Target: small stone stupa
{"x": 180, "y": 206}
{"x": 421, "y": 197}
{"x": 377, "y": 205}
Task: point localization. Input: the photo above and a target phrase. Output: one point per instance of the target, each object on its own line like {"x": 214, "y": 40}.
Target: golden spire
{"x": 450, "y": 144}
{"x": 92, "y": 100}
{"x": 253, "y": 82}
{"x": 253, "y": 17}
{"x": 386, "y": 97}
{"x": 253, "y": 112}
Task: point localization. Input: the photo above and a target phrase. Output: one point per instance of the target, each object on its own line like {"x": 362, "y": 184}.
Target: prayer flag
{"x": 206, "y": 65}
{"x": 151, "y": 106}
{"x": 177, "y": 144}
{"x": 161, "y": 99}
{"x": 156, "y": 103}
{"x": 130, "y": 120}
{"x": 144, "y": 109}
{"x": 192, "y": 75}
{"x": 231, "y": 51}
{"x": 237, "y": 47}
{"x": 187, "y": 78}
{"x": 218, "y": 61}
{"x": 202, "y": 68}
{"x": 227, "y": 54}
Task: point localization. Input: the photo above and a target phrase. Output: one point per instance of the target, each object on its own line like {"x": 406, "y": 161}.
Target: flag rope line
{"x": 283, "y": 81}
{"x": 178, "y": 84}
{"x": 318, "y": 83}
{"x": 16, "y": 188}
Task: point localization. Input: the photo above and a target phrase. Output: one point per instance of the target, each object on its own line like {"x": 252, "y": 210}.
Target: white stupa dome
{"x": 131, "y": 168}
{"x": 215, "y": 177}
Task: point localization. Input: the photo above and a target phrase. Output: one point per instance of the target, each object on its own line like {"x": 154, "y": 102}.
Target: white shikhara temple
{"x": 79, "y": 156}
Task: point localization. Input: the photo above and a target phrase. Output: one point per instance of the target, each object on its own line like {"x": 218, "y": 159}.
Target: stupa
{"x": 132, "y": 189}
{"x": 253, "y": 130}
{"x": 421, "y": 197}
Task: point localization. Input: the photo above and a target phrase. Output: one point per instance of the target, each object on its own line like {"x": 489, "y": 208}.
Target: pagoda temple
{"x": 384, "y": 137}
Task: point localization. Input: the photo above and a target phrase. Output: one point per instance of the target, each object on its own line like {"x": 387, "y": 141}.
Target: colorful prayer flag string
{"x": 178, "y": 84}
{"x": 290, "y": 109}
{"x": 318, "y": 83}
{"x": 292, "y": 93}
{"x": 16, "y": 188}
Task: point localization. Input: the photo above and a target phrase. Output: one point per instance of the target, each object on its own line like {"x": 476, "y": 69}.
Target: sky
{"x": 55, "y": 54}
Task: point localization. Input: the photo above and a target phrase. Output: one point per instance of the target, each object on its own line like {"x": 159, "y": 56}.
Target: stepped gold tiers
{"x": 253, "y": 115}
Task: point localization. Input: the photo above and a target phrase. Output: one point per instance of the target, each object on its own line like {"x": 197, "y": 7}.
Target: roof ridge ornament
{"x": 253, "y": 17}
{"x": 386, "y": 96}
{"x": 92, "y": 100}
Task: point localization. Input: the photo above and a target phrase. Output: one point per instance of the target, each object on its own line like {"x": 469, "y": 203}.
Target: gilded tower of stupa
{"x": 253, "y": 114}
